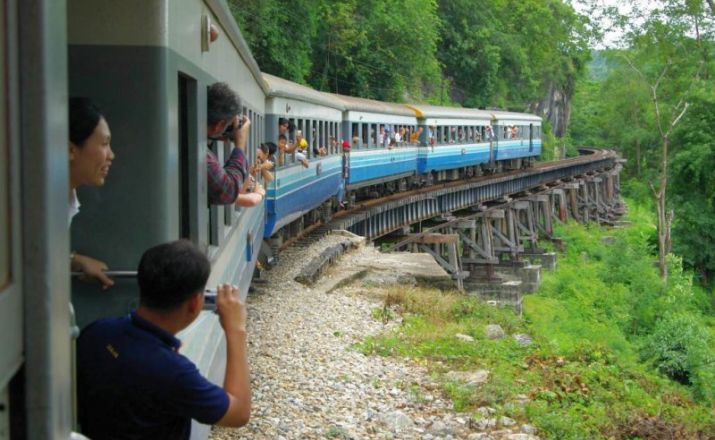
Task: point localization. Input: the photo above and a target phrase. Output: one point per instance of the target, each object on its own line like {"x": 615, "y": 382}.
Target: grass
{"x": 596, "y": 367}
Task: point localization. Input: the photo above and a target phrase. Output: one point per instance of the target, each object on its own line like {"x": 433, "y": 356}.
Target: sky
{"x": 632, "y": 8}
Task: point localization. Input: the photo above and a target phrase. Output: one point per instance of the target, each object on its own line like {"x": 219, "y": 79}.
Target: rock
{"x": 396, "y": 421}
{"x": 440, "y": 429}
{"x": 528, "y": 429}
{"x": 494, "y": 331}
{"x": 507, "y": 421}
{"x": 463, "y": 337}
{"x": 473, "y": 378}
{"x": 480, "y": 436}
{"x": 522, "y": 339}
{"x": 521, "y": 399}
{"x": 522, "y": 436}
{"x": 487, "y": 423}
{"x": 486, "y": 411}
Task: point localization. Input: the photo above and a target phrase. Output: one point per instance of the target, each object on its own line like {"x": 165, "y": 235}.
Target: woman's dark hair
{"x": 171, "y": 273}
{"x": 223, "y": 103}
{"x": 272, "y": 148}
{"x": 283, "y": 121}
{"x": 83, "y": 119}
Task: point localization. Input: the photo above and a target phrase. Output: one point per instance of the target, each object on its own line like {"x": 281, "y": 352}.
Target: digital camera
{"x": 210, "y": 300}
{"x": 229, "y": 131}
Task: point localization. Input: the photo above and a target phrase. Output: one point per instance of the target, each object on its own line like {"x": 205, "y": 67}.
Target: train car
{"x": 456, "y": 141}
{"x": 35, "y": 359}
{"x": 370, "y": 125}
{"x": 518, "y": 138}
{"x": 148, "y": 65}
{"x": 296, "y": 190}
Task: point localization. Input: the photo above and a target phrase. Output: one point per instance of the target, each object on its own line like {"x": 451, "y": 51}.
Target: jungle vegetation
{"x": 651, "y": 97}
{"x": 624, "y": 333}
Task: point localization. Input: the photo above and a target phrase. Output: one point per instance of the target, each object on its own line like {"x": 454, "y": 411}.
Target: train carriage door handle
{"x": 318, "y": 168}
{"x": 464, "y": 151}
{"x": 392, "y": 159}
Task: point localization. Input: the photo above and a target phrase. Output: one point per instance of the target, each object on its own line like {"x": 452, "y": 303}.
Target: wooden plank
{"x": 434, "y": 238}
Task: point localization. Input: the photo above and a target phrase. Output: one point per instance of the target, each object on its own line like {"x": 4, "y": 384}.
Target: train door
{"x": 531, "y": 138}
{"x": 11, "y": 331}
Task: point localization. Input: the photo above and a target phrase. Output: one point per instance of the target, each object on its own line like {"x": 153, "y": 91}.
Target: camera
{"x": 229, "y": 131}
{"x": 210, "y": 300}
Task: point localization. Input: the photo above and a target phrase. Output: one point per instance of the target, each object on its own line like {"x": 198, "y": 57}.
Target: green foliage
{"x": 670, "y": 52}
{"x": 693, "y": 185}
{"x": 608, "y": 338}
{"x": 507, "y": 54}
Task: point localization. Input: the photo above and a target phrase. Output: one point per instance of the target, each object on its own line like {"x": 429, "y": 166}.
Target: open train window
{"x": 188, "y": 158}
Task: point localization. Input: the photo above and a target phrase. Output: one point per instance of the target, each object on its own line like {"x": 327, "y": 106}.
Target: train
{"x": 148, "y": 64}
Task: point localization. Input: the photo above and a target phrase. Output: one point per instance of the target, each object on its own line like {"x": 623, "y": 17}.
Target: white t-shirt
{"x": 73, "y": 207}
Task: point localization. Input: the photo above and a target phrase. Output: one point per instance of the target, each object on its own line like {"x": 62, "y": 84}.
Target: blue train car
{"x": 373, "y": 126}
{"x": 518, "y": 138}
{"x": 454, "y": 140}
{"x": 298, "y": 190}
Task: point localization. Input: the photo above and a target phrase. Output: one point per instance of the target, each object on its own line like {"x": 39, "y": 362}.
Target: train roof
{"x": 352, "y": 103}
{"x": 279, "y": 87}
{"x": 433, "y": 111}
{"x": 514, "y": 118}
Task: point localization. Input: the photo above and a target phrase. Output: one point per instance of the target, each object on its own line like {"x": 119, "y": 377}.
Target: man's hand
{"x": 92, "y": 269}
{"x": 240, "y": 135}
{"x": 230, "y": 309}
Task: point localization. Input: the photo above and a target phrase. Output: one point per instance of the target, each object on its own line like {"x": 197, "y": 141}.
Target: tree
{"x": 663, "y": 60}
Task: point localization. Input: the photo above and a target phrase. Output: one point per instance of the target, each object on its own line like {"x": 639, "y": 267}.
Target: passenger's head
{"x": 282, "y": 142}
{"x": 285, "y": 126}
{"x": 222, "y": 105}
{"x": 171, "y": 275}
{"x": 90, "y": 152}
{"x": 265, "y": 151}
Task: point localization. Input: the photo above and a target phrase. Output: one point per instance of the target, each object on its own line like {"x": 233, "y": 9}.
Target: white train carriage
{"x": 148, "y": 66}
{"x": 456, "y": 141}
{"x": 371, "y": 126}
{"x": 518, "y": 138}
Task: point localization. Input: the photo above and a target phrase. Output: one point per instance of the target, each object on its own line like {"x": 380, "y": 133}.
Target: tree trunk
{"x": 665, "y": 218}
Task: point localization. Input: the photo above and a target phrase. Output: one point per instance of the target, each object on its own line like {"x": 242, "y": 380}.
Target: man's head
{"x": 222, "y": 105}
{"x": 172, "y": 275}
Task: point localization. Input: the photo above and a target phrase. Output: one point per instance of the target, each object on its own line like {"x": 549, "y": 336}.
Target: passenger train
{"x": 148, "y": 64}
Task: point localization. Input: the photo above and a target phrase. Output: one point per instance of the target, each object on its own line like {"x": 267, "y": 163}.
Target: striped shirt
{"x": 224, "y": 182}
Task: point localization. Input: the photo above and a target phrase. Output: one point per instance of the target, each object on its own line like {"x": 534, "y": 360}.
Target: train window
{"x": 365, "y": 135}
{"x": 213, "y": 209}
{"x": 188, "y": 156}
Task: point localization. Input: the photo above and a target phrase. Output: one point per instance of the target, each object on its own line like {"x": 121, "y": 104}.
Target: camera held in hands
{"x": 210, "y": 299}
{"x": 230, "y": 130}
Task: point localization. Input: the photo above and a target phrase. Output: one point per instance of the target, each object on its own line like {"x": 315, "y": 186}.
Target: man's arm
{"x": 232, "y": 313}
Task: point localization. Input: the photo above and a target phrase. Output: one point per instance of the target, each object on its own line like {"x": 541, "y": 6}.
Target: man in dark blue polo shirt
{"x": 132, "y": 381}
